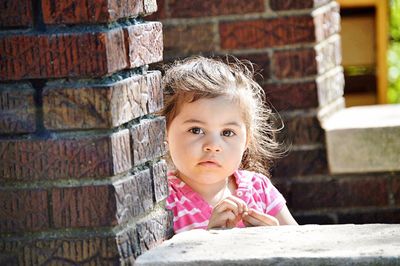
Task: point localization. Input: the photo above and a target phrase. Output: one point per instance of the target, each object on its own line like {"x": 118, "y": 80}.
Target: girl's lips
{"x": 209, "y": 164}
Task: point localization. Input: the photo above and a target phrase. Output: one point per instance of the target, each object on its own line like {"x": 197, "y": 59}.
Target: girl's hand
{"x": 256, "y": 218}
{"x": 227, "y": 213}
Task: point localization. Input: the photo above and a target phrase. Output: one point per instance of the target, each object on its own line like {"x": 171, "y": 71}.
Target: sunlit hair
{"x": 199, "y": 77}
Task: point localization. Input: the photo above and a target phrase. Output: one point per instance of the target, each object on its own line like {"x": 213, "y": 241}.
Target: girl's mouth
{"x": 209, "y": 163}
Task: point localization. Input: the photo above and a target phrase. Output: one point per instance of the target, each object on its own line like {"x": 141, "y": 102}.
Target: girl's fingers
{"x": 226, "y": 204}
{"x": 255, "y": 217}
{"x": 226, "y": 219}
{"x": 242, "y": 206}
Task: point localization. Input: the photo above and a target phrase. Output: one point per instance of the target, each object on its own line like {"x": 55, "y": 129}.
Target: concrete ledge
{"x": 373, "y": 244}
{"x": 364, "y": 139}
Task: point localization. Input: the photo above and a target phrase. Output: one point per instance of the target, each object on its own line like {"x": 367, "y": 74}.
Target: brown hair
{"x": 199, "y": 77}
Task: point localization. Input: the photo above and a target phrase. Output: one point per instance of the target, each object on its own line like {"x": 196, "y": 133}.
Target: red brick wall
{"x": 296, "y": 45}
{"x": 80, "y": 171}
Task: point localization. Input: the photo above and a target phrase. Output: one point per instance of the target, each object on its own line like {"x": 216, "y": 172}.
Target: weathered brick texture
{"x": 134, "y": 195}
{"x": 152, "y": 231}
{"x": 85, "y": 206}
{"x": 133, "y": 241}
{"x": 78, "y": 249}
{"x": 79, "y": 54}
{"x": 304, "y": 129}
{"x": 24, "y": 210}
{"x": 279, "y": 5}
{"x": 148, "y": 140}
{"x": 188, "y": 8}
{"x": 52, "y": 159}
{"x": 159, "y": 173}
{"x": 302, "y": 162}
{"x": 294, "y": 63}
{"x": 17, "y": 108}
{"x": 267, "y": 32}
{"x": 344, "y": 192}
{"x": 81, "y": 177}
{"x": 69, "y": 54}
{"x": 184, "y": 39}
{"x": 101, "y": 106}
{"x": 302, "y": 95}
{"x": 144, "y": 43}
{"x": 16, "y": 13}
{"x": 94, "y": 11}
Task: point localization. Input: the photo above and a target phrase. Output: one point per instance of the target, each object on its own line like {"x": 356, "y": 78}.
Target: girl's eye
{"x": 196, "y": 130}
{"x": 228, "y": 133}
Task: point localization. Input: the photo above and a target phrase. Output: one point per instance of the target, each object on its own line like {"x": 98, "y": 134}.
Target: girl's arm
{"x": 285, "y": 217}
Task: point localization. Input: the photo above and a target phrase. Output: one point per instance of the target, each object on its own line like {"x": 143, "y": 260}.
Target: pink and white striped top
{"x": 191, "y": 211}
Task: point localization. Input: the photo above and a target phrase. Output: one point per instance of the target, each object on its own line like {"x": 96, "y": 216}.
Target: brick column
{"x": 81, "y": 177}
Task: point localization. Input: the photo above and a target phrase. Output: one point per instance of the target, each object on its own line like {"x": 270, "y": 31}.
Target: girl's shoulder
{"x": 247, "y": 175}
{"x": 252, "y": 178}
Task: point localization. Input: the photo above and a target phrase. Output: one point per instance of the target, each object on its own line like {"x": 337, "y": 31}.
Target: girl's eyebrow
{"x": 195, "y": 121}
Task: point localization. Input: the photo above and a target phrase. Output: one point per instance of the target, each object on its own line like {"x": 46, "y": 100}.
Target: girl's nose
{"x": 212, "y": 145}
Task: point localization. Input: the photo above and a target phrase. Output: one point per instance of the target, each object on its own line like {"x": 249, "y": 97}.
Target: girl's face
{"x": 207, "y": 140}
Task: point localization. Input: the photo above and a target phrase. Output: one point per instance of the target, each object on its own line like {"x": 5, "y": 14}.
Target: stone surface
{"x": 364, "y": 139}
{"x": 286, "y": 245}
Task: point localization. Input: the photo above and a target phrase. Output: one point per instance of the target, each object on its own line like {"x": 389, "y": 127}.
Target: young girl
{"x": 220, "y": 143}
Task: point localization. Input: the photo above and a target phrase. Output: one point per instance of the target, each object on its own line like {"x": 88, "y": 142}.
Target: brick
{"x": 94, "y": 11}
{"x": 155, "y": 230}
{"x": 134, "y": 196}
{"x": 302, "y": 129}
{"x": 301, "y": 162}
{"x": 320, "y": 219}
{"x": 95, "y": 249}
{"x": 17, "y": 108}
{"x": 342, "y": 192}
{"x": 278, "y": 5}
{"x": 61, "y": 54}
{"x": 159, "y": 174}
{"x": 291, "y": 96}
{"x": 128, "y": 245}
{"x": 23, "y": 210}
{"x": 294, "y": 63}
{"x": 148, "y": 140}
{"x": 161, "y": 12}
{"x": 16, "y": 13}
{"x": 86, "y": 206}
{"x": 328, "y": 54}
{"x": 395, "y": 187}
{"x": 327, "y": 21}
{"x": 191, "y": 9}
{"x": 261, "y": 63}
{"x": 184, "y": 39}
{"x": 374, "y": 215}
{"x": 265, "y": 33}
{"x": 75, "y": 158}
{"x": 80, "y": 106}
{"x": 145, "y": 43}
{"x": 330, "y": 86}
